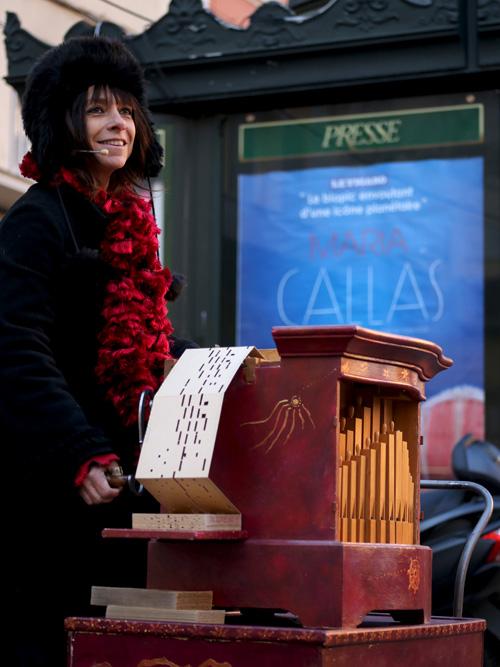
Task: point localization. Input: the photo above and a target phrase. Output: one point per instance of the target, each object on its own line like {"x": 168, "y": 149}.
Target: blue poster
{"x": 395, "y": 247}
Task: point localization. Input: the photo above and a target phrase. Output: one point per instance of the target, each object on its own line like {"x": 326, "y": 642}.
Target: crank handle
{"x": 117, "y": 480}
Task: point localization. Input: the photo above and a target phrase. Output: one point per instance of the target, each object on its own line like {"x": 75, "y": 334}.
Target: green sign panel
{"x": 416, "y": 128}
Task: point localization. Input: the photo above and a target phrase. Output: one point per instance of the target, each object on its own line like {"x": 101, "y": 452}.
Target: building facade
{"x": 49, "y": 21}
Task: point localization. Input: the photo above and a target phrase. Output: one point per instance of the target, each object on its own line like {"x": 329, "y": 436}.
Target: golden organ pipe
{"x": 375, "y": 485}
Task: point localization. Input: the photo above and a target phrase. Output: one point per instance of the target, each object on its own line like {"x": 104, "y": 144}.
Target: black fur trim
{"x": 59, "y": 76}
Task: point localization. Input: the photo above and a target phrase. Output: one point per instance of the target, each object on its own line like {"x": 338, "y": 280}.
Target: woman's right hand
{"x": 95, "y": 488}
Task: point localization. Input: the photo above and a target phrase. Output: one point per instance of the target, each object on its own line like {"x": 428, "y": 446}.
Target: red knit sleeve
{"x": 103, "y": 460}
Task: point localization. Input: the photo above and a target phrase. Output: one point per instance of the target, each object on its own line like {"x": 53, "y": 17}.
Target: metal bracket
{"x": 472, "y": 540}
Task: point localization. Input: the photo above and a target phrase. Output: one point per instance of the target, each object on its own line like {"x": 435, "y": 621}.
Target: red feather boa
{"x": 133, "y": 341}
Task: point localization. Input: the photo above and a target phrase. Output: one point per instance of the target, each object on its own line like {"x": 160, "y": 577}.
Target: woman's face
{"x": 109, "y": 126}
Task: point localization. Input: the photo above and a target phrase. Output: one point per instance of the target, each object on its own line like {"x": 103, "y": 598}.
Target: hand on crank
{"x": 97, "y": 486}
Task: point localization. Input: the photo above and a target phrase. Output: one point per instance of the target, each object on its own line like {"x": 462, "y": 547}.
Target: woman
{"x": 83, "y": 330}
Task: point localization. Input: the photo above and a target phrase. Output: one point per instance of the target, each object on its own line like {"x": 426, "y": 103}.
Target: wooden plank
{"x": 187, "y": 522}
{"x": 102, "y": 596}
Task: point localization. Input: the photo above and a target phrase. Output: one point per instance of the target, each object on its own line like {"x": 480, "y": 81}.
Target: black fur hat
{"x": 59, "y": 76}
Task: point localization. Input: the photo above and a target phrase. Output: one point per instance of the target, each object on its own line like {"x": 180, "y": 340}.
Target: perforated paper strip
{"x": 180, "y": 438}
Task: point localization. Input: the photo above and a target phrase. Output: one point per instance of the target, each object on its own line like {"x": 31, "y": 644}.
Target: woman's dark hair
{"x": 135, "y": 169}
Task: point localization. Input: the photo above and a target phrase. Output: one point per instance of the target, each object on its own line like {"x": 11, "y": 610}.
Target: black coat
{"x": 53, "y": 418}
{"x": 52, "y": 410}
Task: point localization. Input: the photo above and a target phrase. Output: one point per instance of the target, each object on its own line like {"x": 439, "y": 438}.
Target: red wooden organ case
{"x": 318, "y": 448}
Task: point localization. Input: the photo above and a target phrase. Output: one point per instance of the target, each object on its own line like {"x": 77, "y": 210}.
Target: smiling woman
{"x": 83, "y": 331}
{"x": 110, "y": 126}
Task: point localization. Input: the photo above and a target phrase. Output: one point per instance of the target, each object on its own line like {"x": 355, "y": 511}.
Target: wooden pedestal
{"x": 331, "y": 584}
{"x": 106, "y": 643}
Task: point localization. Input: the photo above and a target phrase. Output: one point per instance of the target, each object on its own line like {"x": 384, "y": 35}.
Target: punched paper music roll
{"x": 176, "y": 455}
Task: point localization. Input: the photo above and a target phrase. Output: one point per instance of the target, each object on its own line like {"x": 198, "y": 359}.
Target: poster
{"x": 395, "y": 247}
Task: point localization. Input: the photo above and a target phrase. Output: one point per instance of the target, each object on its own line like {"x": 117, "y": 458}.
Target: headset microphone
{"x": 102, "y": 151}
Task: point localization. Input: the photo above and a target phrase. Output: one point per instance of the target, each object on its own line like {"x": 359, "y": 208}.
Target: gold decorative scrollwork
{"x": 284, "y": 419}
{"x": 413, "y": 573}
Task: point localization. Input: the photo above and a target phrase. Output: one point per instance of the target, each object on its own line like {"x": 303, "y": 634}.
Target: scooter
{"x": 452, "y": 512}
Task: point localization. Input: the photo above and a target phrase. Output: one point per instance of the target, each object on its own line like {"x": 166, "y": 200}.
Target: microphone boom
{"x": 102, "y": 151}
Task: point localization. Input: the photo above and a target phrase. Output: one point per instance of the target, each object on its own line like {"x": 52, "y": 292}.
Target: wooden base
{"x": 457, "y": 642}
{"x": 331, "y": 584}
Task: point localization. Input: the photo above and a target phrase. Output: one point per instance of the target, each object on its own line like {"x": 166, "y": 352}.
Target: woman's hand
{"x": 95, "y": 488}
